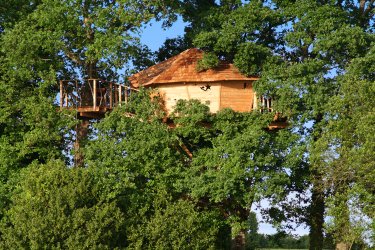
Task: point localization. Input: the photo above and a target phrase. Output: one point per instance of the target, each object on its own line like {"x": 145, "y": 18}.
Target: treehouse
{"x": 222, "y": 87}
{"x": 92, "y": 98}
{"x": 174, "y": 79}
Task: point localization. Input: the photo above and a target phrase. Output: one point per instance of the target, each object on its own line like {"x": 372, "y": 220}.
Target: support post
{"x": 110, "y": 95}
{"x": 116, "y": 95}
{"x": 94, "y": 94}
{"x": 264, "y": 102}
{"x": 66, "y": 100}
{"x": 126, "y": 95}
{"x": 103, "y": 93}
{"x": 77, "y": 102}
{"x": 119, "y": 94}
{"x": 61, "y": 95}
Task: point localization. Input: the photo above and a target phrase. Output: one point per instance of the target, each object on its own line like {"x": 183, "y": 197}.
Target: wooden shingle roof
{"x": 182, "y": 68}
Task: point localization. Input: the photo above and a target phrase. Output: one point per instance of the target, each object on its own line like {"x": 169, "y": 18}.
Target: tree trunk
{"x": 317, "y": 206}
{"x": 316, "y": 217}
{"x": 342, "y": 220}
{"x": 238, "y": 242}
{"x": 81, "y": 134}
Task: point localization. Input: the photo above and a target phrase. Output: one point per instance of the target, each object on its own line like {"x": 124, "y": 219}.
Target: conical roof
{"x": 183, "y": 68}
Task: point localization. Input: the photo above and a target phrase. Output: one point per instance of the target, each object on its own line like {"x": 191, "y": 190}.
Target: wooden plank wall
{"x": 209, "y": 96}
{"x": 173, "y": 92}
{"x": 219, "y": 95}
{"x": 237, "y": 95}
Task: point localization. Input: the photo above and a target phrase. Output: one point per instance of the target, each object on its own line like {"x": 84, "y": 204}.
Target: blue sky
{"x": 154, "y": 36}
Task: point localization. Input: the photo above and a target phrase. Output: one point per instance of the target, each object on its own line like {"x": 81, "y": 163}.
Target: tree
{"x": 14, "y": 10}
{"x": 172, "y": 47}
{"x": 58, "y": 207}
{"x": 85, "y": 29}
{"x": 315, "y": 59}
{"x": 134, "y": 146}
{"x": 220, "y": 163}
{"x": 323, "y": 51}
{"x": 235, "y": 162}
{"x": 179, "y": 225}
{"x": 300, "y": 49}
{"x": 43, "y": 41}
{"x": 252, "y": 237}
{"x": 349, "y": 153}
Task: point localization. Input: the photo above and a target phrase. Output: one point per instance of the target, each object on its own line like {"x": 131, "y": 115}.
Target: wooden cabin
{"x": 219, "y": 88}
{"x": 178, "y": 78}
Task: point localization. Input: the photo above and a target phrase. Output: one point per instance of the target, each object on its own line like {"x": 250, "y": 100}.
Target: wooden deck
{"x": 92, "y": 98}
{"x": 278, "y": 125}
{"x": 91, "y": 112}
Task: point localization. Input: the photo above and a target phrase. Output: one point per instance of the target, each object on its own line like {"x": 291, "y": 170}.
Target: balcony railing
{"x": 92, "y": 95}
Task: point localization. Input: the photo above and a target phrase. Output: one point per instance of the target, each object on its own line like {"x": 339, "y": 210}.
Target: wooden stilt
{"x": 119, "y": 94}
{"x": 66, "y": 100}
{"x": 126, "y": 95}
{"x": 94, "y": 94}
{"x": 61, "y": 95}
{"x": 110, "y": 95}
{"x": 116, "y": 95}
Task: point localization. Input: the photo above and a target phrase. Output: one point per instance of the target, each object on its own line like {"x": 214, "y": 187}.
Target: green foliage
{"x": 315, "y": 59}
{"x": 191, "y": 118}
{"x": 61, "y": 208}
{"x": 42, "y": 41}
{"x": 81, "y": 36}
{"x": 250, "y": 58}
{"x": 172, "y": 47}
{"x": 240, "y": 31}
{"x": 235, "y": 160}
{"x": 144, "y": 154}
{"x": 178, "y": 225}
{"x": 208, "y": 61}
{"x": 140, "y": 158}
{"x": 13, "y": 10}
{"x": 144, "y": 59}
{"x": 283, "y": 241}
{"x": 31, "y": 130}
{"x": 348, "y": 142}
{"x": 252, "y": 237}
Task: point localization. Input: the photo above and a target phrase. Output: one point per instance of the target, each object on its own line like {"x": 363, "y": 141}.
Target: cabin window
{"x": 244, "y": 85}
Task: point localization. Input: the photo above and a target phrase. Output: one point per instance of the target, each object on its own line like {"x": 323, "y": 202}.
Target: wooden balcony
{"x": 264, "y": 105}
{"x": 92, "y": 98}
